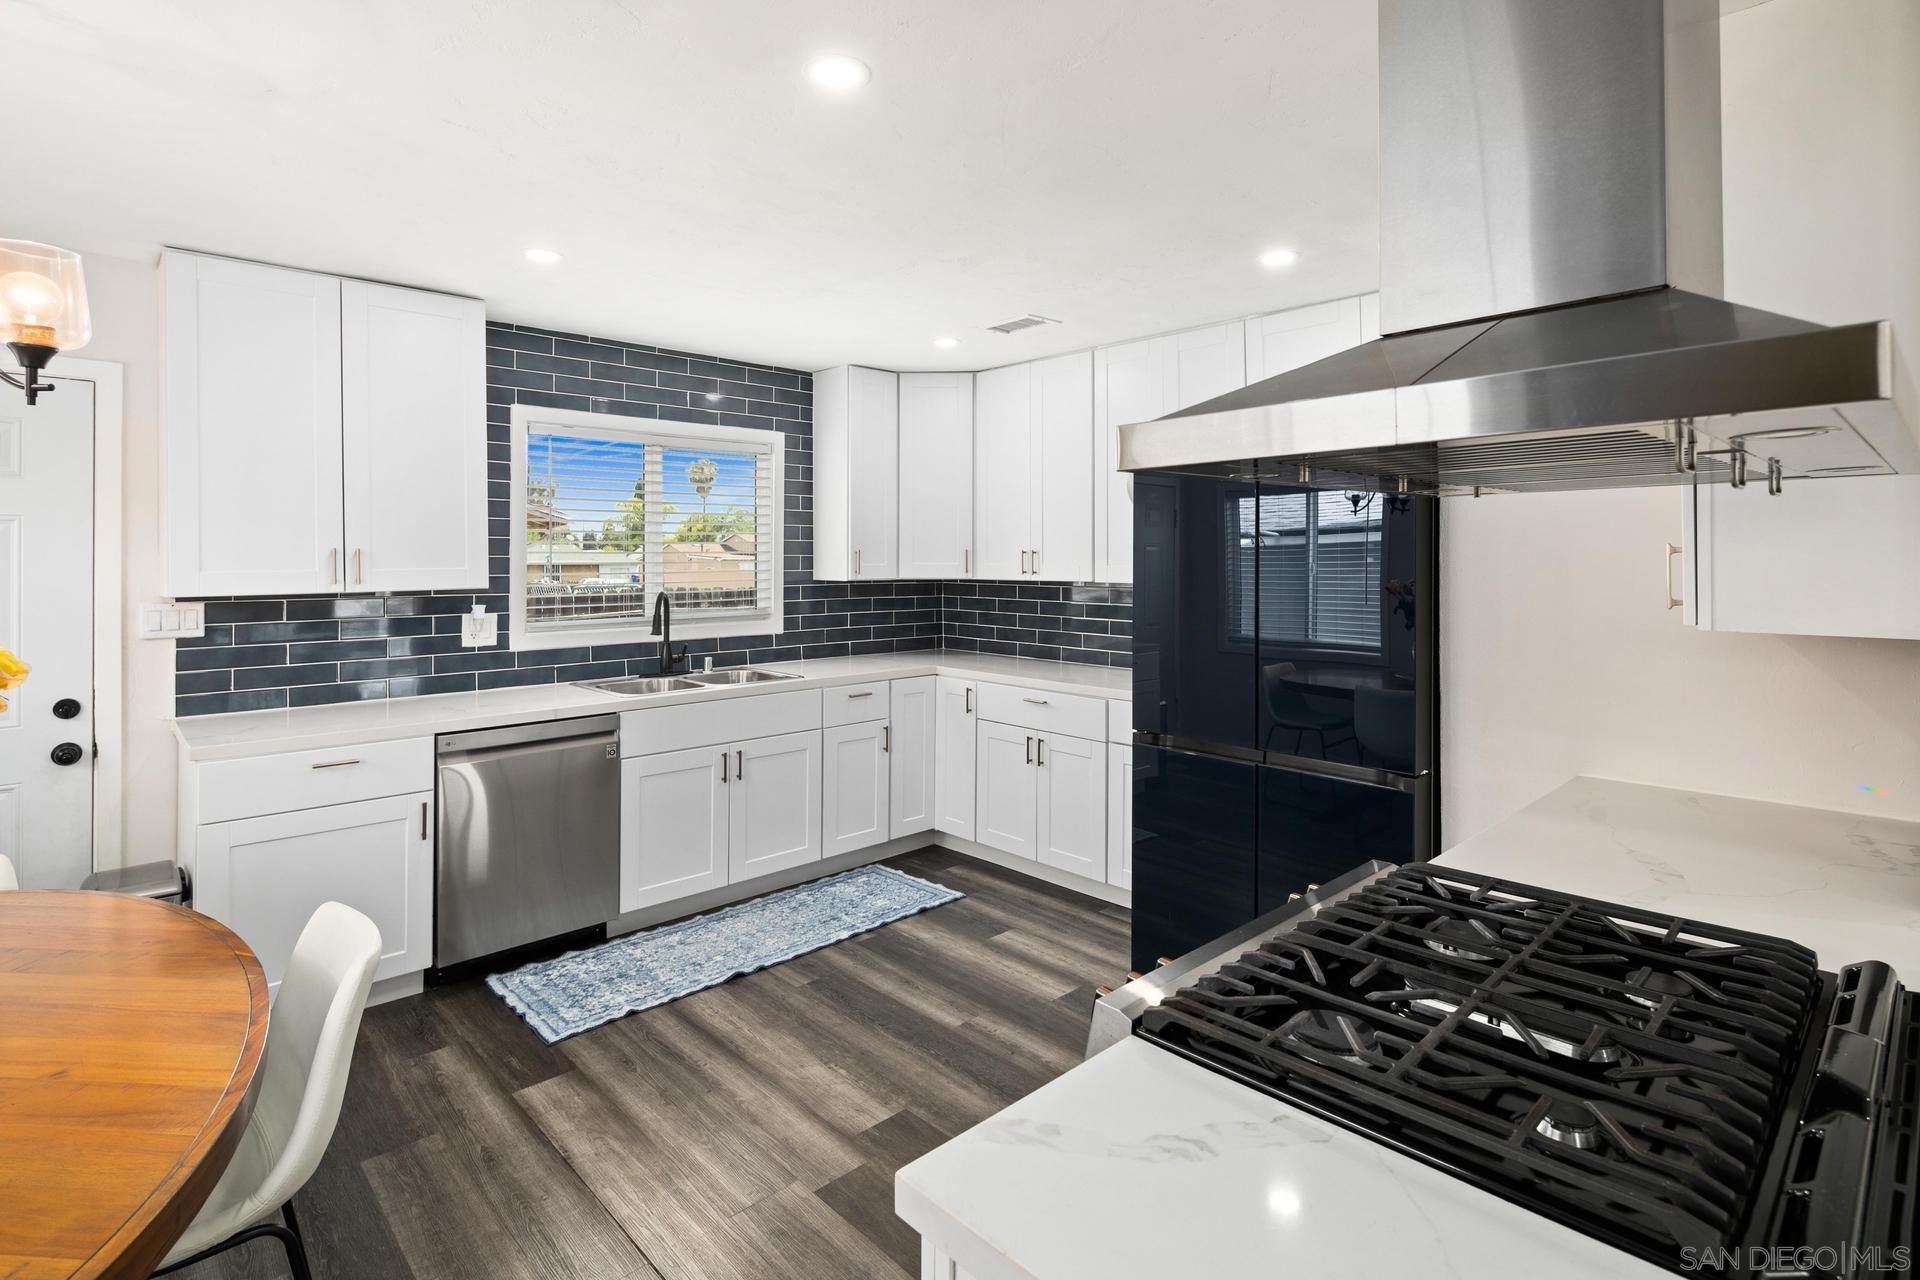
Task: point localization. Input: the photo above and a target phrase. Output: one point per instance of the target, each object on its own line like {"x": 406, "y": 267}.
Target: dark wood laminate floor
{"x": 751, "y": 1130}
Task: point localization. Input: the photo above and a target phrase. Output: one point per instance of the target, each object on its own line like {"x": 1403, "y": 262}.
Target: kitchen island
{"x": 1140, "y": 1163}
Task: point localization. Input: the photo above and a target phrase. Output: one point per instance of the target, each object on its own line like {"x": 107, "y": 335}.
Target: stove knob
{"x": 1132, "y": 976}
{"x": 1163, "y": 960}
{"x": 1103, "y": 991}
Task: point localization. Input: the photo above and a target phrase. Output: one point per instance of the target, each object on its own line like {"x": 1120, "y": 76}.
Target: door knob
{"x": 66, "y": 709}
{"x": 67, "y": 753}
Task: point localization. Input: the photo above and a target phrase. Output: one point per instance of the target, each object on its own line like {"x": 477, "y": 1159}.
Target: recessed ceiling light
{"x": 838, "y": 72}
{"x": 545, "y": 257}
{"x": 1274, "y": 259}
{"x": 946, "y": 344}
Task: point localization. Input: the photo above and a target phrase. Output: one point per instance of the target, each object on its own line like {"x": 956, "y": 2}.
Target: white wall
{"x": 1558, "y": 655}
{"x": 124, "y": 298}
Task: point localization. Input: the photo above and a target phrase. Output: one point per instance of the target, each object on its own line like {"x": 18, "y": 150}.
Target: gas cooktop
{"x": 1700, "y": 1096}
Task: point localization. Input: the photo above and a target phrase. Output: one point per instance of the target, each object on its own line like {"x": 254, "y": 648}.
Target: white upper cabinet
{"x": 856, "y": 473}
{"x": 1003, "y": 472}
{"x": 936, "y": 475}
{"x": 1820, "y": 558}
{"x": 252, "y": 407}
{"x": 1063, "y": 420}
{"x": 413, "y": 439}
{"x": 1137, "y": 382}
{"x": 320, "y": 435}
{"x": 1286, "y": 340}
{"x": 1033, "y": 470}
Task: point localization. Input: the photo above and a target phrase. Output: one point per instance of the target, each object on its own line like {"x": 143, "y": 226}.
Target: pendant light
{"x": 43, "y": 308}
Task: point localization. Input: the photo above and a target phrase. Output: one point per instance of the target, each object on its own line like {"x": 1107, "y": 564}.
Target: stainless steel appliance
{"x": 1700, "y": 1096}
{"x": 1550, "y": 271}
{"x": 529, "y": 845}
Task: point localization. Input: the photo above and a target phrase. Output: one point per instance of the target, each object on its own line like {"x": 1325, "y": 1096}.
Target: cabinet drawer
{"x": 1068, "y": 713}
{"x": 708, "y": 724}
{"x": 852, "y": 703}
{"x": 309, "y": 779}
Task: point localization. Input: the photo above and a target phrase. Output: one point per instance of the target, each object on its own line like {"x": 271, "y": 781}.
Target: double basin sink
{"x": 635, "y": 686}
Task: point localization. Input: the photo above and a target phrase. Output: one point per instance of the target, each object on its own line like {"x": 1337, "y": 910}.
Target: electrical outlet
{"x": 479, "y": 629}
{"x": 171, "y": 620}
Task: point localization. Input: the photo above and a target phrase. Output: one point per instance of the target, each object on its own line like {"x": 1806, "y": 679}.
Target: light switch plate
{"x": 479, "y": 630}
{"x": 173, "y": 620}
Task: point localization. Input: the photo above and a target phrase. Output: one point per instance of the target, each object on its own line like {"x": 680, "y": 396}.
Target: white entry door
{"x": 46, "y": 617}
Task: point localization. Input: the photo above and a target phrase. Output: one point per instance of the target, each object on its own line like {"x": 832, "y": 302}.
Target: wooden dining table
{"x": 131, "y": 1038}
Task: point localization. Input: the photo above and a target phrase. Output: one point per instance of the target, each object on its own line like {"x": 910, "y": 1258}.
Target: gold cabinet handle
{"x": 966, "y": 561}
{"x": 1673, "y": 601}
{"x": 335, "y": 764}
{"x": 1038, "y": 702}
{"x": 856, "y": 562}
{"x": 359, "y": 572}
{"x": 333, "y": 566}
{"x": 864, "y": 693}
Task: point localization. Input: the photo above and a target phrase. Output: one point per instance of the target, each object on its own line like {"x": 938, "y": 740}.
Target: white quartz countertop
{"x": 254, "y": 733}
{"x": 1139, "y": 1163}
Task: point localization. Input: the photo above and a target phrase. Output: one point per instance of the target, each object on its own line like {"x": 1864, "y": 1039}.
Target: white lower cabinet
{"x": 1043, "y": 796}
{"x": 707, "y": 817}
{"x": 673, "y": 829}
{"x": 953, "y": 757}
{"x": 855, "y": 786}
{"x": 1072, "y": 831}
{"x": 1120, "y": 816}
{"x": 773, "y": 809}
{"x": 912, "y": 749}
{"x": 1008, "y": 798}
{"x": 264, "y": 876}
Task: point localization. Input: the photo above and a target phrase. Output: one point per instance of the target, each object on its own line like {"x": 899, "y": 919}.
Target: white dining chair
{"x": 310, "y": 1035}
{"x": 8, "y": 880}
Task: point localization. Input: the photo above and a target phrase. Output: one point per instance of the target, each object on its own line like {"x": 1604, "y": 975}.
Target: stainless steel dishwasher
{"x": 529, "y": 843}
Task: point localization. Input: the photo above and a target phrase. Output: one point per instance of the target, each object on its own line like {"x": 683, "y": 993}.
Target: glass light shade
{"x": 43, "y": 296}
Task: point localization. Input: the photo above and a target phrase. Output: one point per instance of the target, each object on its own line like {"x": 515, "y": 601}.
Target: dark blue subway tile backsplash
{"x": 319, "y": 650}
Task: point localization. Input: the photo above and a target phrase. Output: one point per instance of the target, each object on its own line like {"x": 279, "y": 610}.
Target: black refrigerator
{"x": 1285, "y": 696}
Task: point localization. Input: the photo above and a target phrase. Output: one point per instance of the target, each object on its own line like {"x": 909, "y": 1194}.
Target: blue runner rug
{"x": 582, "y": 989}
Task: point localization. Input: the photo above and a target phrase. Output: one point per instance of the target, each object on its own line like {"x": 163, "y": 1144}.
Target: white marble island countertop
{"x": 241, "y": 734}
{"x": 1139, "y": 1163}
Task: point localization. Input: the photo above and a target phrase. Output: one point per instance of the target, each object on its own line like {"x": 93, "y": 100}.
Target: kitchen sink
{"x": 739, "y": 675}
{"x": 634, "y": 686}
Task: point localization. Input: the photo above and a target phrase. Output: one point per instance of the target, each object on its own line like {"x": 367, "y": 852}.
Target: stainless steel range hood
{"x": 1550, "y": 271}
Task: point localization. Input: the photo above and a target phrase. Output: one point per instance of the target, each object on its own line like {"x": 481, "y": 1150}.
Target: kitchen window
{"x": 608, "y": 512}
{"x": 1309, "y": 564}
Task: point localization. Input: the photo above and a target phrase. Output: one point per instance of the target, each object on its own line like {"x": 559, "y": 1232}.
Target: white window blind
{"x": 1309, "y": 563}
{"x": 613, "y": 517}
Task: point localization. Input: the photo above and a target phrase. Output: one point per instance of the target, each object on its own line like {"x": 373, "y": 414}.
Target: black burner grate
{"x": 1621, "y": 1070}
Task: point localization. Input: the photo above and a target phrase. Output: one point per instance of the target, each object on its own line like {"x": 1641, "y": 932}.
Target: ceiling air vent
{"x": 1024, "y": 322}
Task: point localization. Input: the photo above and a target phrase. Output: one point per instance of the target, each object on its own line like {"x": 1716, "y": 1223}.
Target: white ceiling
{"x": 1118, "y": 165}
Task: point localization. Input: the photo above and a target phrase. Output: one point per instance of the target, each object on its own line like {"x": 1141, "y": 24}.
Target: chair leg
{"x": 296, "y": 1245}
{"x": 288, "y": 1236}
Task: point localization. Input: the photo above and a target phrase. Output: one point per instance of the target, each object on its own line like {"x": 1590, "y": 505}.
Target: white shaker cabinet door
{"x": 773, "y": 809}
{"x": 1062, "y": 419}
{"x": 1004, "y": 523}
{"x": 954, "y": 761}
{"x": 911, "y": 755}
{"x": 413, "y": 439}
{"x": 936, "y": 475}
{"x": 251, "y": 405}
{"x": 673, "y": 825}
{"x": 1008, "y": 802}
{"x": 263, "y": 877}
{"x": 1073, "y": 805}
{"x": 854, "y": 786}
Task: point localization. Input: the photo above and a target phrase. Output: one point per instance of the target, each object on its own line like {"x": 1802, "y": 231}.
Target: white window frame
{"x": 608, "y": 426}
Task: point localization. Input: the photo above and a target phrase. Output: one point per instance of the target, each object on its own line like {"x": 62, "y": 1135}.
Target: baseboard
{"x": 1038, "y": 870}
{"x": 395, "y": 988}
